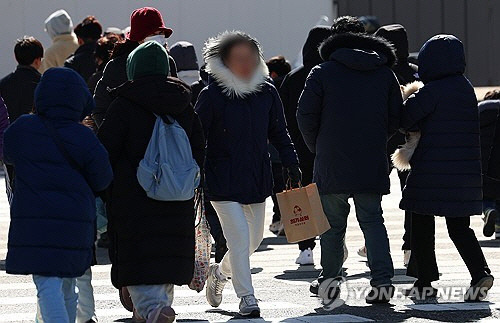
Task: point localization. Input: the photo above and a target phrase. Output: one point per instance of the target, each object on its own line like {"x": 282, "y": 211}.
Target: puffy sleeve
{"x": 310, "y": 108}
{"x": 418, "y": 106}
{"x": 278, "y": 134}
{"x": 113, "y": 131}
{"x": 97, "y": 167}
{"x": 101, "y": 94}
{"x": 395, "y": 105}
{"x": 204, "y": 110}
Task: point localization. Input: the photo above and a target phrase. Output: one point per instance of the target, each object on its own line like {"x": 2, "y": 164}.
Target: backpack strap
{"x": 60, "y": 145}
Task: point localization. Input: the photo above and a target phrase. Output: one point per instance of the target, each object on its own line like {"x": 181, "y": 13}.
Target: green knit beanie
{"x": 149, "y": 58}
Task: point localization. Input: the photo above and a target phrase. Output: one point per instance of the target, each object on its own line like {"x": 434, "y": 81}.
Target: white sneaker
{"x": 249, "y": 306}
{"x": 406, "y": 258}
{"x": 362, "y": 251}
{"x": 215, "y": 286}
{"x": 346, "y": 253}
{"x": 305, "y": 257}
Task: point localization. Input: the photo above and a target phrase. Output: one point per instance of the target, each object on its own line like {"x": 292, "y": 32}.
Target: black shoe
{"x": 314, "y": 287}
{"x": 478, "y": 291}
{"x": 380, "y": 294}
{"x": 103, "y": 241}
{"x": 490, "y": 217}
{"x": 421, "y": 290}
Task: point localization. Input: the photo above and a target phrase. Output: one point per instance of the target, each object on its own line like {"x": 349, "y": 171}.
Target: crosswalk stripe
{"x": 455, "y": 306}
{"x": 184, "y": 309}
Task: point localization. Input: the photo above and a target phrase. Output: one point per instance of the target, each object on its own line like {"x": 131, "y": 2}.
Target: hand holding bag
{"x": 203, "y": 245}
{"x": 302, "y": 213}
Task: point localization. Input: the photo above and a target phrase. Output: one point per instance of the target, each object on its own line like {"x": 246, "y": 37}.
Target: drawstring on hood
{"x": 58, "y": 23}
{"x": 231, "y": 85}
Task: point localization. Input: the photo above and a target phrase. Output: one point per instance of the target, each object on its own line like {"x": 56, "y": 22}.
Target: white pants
{"x": 243, "y": 227}
{"x": 147, "y": 298}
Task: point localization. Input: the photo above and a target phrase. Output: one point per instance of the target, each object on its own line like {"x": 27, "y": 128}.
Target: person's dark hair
{"x": 105, "y": 46}
{"x": 347, "y": 24}
{"x": 279, "y": 65}
{"x": 27, "y": 49}
{"x": 124, "y": 47}
{"x": 89, "y": 29}
{"x": 228, "y": 40}
{"x": 492, "y": 95}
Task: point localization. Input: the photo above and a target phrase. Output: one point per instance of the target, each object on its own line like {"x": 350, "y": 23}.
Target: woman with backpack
{"x": 145, "y": 24}
{"x": 151, "y": 241}
{"x": 241, "y": 112}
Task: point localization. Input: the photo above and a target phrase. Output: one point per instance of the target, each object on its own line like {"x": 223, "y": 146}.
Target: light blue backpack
{"x": 168, "y": 171}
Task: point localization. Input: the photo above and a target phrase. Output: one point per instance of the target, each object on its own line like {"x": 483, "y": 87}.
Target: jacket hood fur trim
{"x": 358, "y": 41}
{"x": 231, "y": 85}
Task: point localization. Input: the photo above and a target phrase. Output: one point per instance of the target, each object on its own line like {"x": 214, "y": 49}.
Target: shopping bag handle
{"x": 288, "y": 185}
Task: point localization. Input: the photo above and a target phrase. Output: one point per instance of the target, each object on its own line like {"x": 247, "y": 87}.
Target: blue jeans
{"x": 86, "y": 304}
{"x": 147, "y": 298}
{"x": 102, "y": 218}
{"x": 371, "y": 221}
{"x": 57, "y": 298}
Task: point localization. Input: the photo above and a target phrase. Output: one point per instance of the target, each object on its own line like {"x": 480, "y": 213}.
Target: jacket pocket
{"x": 218, "y": 176}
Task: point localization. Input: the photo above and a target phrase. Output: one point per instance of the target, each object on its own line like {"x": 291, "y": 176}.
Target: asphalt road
{"x": 282, "y": 287}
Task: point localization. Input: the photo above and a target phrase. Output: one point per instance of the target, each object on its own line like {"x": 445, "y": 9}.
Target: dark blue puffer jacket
{"x": 239, "y": 119}
{"x": 445, "y": 178}
{"x": 348, "y": 109}
{"x": 53, "y": 209}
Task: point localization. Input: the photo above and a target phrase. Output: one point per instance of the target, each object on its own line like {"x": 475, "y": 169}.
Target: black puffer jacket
{"x": 113, "y": 76}
{"x": 445, "y": 178}
{"x": 349, "y": 107}
{"x": 83, "y": 60}
{"x": 152, "y": 242}
{"x": 405, "y": 71}
{"x": 490, "y": 145}
{"x": 18, "y": 90}
{"x": 290, "y": 91}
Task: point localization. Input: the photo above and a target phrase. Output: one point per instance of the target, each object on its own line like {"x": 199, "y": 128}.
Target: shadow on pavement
{"x": 492, "y": 243}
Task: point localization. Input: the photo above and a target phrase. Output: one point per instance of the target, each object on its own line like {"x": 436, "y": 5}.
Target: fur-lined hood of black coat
{"x": 361, "y": 42}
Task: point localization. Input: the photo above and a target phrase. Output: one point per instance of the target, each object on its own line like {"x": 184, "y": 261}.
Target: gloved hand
{"x": 294, "y": 175}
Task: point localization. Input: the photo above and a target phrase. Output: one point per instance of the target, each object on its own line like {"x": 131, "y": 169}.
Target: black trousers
{"x": 407, "y": 235}
{"x": 423, "y": 264}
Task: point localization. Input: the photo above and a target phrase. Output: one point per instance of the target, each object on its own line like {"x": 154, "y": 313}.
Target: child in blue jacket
{"x": 59, "y": 164}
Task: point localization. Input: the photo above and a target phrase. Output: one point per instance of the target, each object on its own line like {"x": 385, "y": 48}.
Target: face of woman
{"x": 242, "y": 61}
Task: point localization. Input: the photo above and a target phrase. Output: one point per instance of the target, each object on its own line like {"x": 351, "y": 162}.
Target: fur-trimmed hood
{"x": 230, "y": 84}
{"x": 376, "y": 50}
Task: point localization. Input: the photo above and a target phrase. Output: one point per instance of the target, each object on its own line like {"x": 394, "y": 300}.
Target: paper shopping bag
{"x": 302, "y": 213}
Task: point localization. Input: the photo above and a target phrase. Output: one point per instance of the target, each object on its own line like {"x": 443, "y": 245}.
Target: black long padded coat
{"x": 114, "y": 75}
{"x": 445, "y": 176}
{"x": 290, "y": 91}
{"x": 152, "y": 242}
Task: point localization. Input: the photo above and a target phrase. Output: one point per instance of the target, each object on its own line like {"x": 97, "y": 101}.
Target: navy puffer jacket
{"x": 445, "y": 178}
{"x": 239, "y": 119}
{"x": 348, "y": 109}
{"x": 52, "y": 226}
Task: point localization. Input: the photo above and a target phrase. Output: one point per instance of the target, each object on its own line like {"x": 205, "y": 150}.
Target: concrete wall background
{"x": 475, "y": 22}
{"x": 280, "y": 25}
